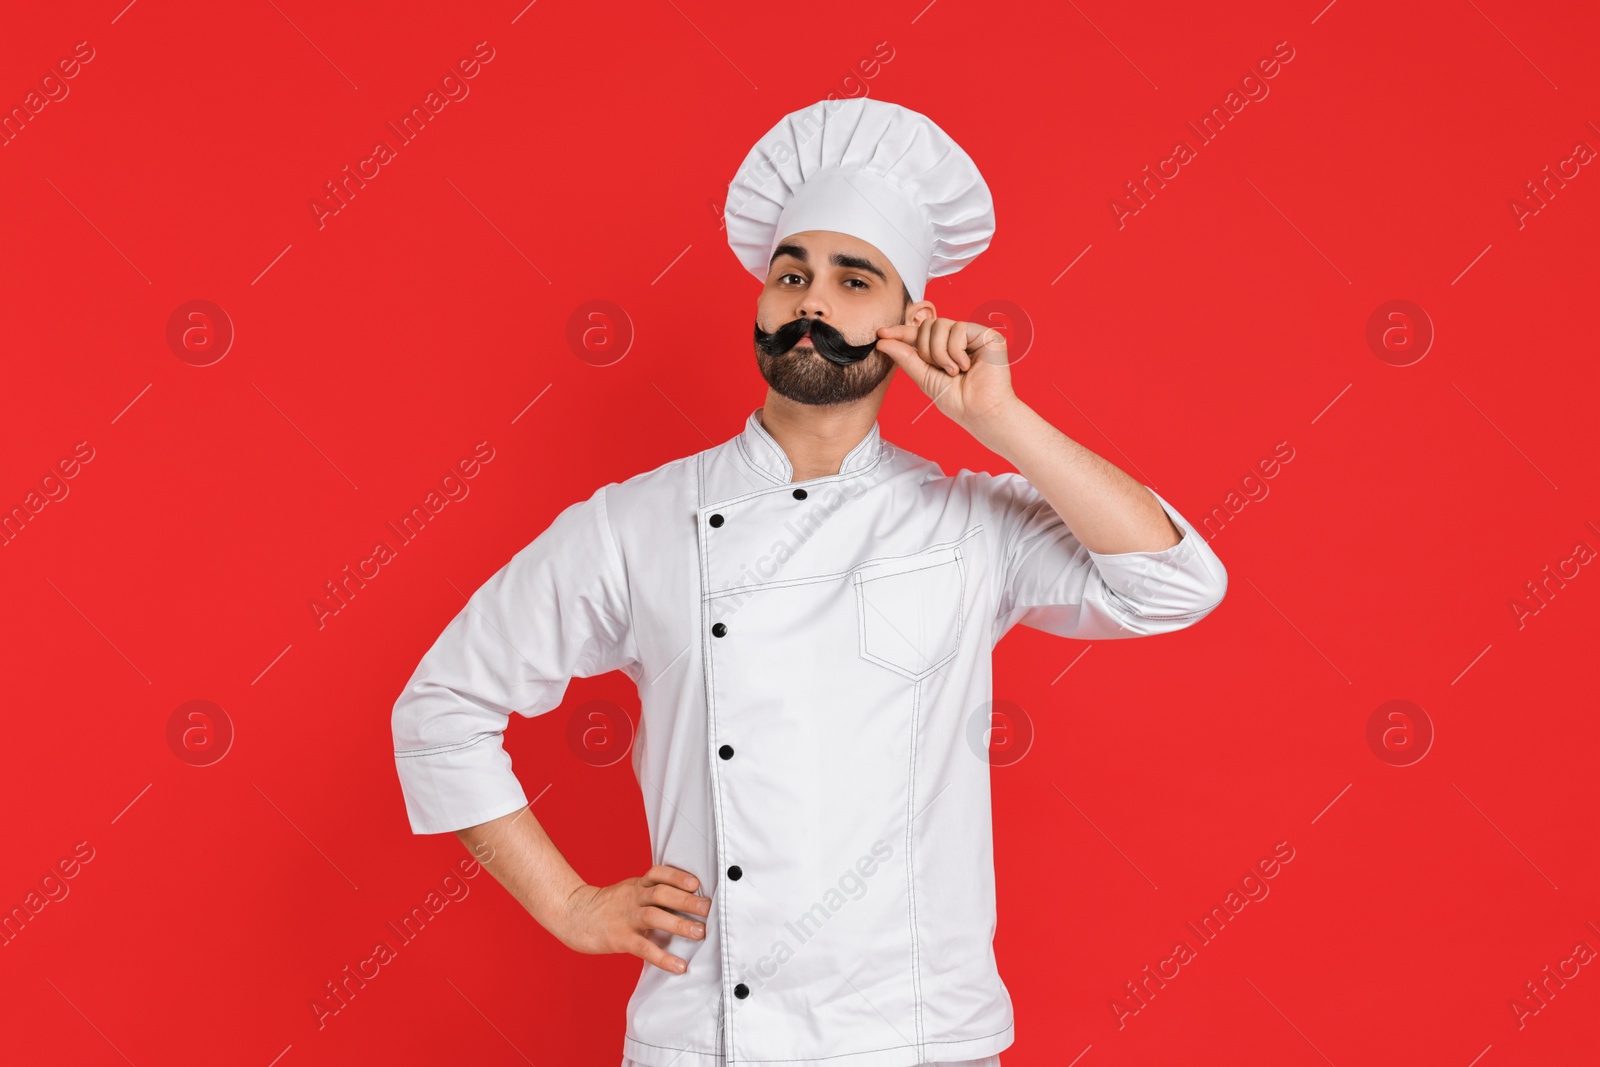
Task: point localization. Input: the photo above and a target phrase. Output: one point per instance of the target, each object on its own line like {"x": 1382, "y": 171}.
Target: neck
{"x": 816, "y": 439}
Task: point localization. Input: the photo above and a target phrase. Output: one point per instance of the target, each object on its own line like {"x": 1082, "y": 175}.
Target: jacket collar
{"x": 762, "y": 451}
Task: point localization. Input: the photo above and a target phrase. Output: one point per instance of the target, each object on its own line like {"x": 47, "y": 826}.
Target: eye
{"x": 784, "y": 277}
{"x": 861, "y": 282}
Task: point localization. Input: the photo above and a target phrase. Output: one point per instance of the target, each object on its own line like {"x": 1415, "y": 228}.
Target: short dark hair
{"x": 905, "y": 293}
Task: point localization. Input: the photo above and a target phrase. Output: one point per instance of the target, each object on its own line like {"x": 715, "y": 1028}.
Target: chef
{"x": 808, "y": 612}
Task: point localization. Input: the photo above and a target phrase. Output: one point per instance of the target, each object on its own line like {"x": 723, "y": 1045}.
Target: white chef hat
{"x": 868, "y": 168}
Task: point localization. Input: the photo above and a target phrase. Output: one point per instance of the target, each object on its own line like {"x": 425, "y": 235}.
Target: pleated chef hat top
{"x": 868, "y": 168}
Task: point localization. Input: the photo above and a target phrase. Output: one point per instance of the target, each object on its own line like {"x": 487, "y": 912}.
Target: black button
{"x": 741, "y": 991}
{"x": 716, "y": 520}
{"x": 718, "y": 630}
{"x": 735, "y": 873}
{"x": 726, "y": 751}
{"x": 799, "y": 494}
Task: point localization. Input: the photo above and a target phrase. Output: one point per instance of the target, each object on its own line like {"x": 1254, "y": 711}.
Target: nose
{"x": 811, "y": 304}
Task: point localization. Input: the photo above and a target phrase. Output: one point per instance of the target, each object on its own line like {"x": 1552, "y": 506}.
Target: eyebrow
{"x": 838, "y": 259}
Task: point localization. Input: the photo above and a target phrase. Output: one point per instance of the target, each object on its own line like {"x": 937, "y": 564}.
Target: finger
{"x": 663, "y": 874}
{"x": 955, "y": 340}
{"x": 667, "y": 896}
{"x": 908, "y": 360}
{"x": 955, "y": 346}
{"x": 939, "y": 345}
{"x": 993, "y": 348}
{"x": 898, "y": 351}
{"x": 925, "y": 339}
{"x": 898, "y": 332}
{"x": 657, "y": 919}
{"x": 651, "y": 952}
{"x": 961, "y": 340}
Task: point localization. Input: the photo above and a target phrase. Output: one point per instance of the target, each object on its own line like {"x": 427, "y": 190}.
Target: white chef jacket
{"x": 813, "y": 665}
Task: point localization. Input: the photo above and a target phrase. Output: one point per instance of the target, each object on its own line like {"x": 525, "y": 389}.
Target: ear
{"x": 919, "y": 312}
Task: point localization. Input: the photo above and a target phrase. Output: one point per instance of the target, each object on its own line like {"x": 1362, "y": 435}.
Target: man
{"x": 809, "y": 614}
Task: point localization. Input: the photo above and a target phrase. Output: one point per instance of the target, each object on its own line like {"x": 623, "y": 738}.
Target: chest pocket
{"x": 908, "y": 610}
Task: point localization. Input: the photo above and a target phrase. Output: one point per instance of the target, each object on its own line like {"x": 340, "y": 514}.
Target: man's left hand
{"x": 961, "y": 366}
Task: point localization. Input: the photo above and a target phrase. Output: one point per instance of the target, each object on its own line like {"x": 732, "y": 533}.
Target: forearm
{"x": 516, "y": 850}
{"x": 1106, "y": 510}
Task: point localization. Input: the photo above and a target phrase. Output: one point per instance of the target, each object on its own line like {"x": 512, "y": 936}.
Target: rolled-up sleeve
{"x": 1051, "y": 582}
{"x": 557, "y": 610}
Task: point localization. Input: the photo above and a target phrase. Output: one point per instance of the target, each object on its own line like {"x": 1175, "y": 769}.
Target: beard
{"x": 829, "y": 370}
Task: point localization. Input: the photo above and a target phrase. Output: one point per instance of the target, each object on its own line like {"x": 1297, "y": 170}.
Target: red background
{"x": 589, "y": 162}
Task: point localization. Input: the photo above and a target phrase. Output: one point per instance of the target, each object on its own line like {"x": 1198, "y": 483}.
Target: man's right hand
{"x": 618, "y": 918}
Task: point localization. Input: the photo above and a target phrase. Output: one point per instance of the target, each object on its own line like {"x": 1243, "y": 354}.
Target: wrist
{"x": 562, "y": 908}
{"x": 993, "y": 426}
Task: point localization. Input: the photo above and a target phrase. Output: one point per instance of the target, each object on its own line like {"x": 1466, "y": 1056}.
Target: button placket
{"x": 716, "y": 520}
{"x": 734, "y": 872}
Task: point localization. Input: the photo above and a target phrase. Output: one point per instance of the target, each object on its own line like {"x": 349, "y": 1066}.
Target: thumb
{"x": 897, "y": 350}
{"x": 909, "y": 361}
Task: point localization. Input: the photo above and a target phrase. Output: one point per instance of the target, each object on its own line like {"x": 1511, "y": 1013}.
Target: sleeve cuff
{"x": 459, "y": 787}
{"x": 1182, "y": 581}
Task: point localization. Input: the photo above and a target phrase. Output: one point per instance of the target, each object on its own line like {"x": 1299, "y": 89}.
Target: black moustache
{"x": 829, "y": 342}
